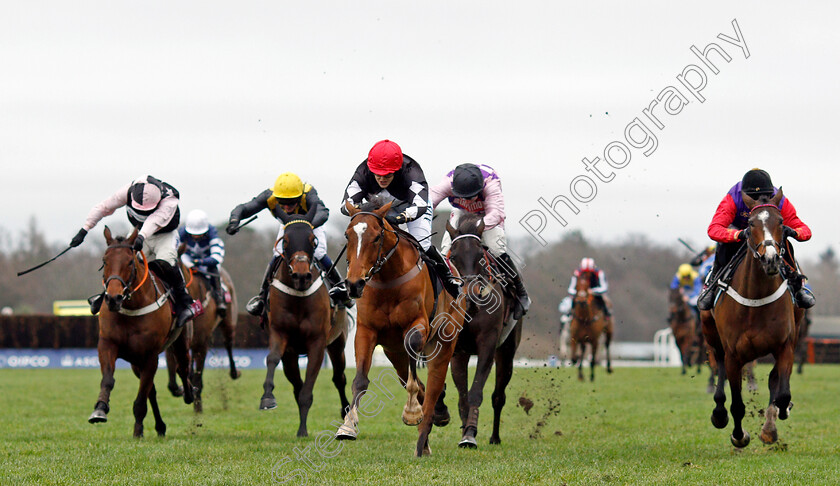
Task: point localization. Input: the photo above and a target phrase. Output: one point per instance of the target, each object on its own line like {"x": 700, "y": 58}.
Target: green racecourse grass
{"x": 636, "y": 426}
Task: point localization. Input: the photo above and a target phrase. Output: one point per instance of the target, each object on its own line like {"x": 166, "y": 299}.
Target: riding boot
{"x": 450, "y": 283}
{"x": 802, "y": 295}
{"x": 95, "y": 302}
{"x": 338, "y": 290}
{"x": 706, "y": 299}
{"x": 218, "y": 295}
{"x": 185, "y": 307}
{"x": 523, "y": 301}
{"x": 256, "y": 306}
{"x": 603, "y": 303}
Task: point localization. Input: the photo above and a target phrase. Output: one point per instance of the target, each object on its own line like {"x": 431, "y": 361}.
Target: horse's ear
{"x": 133, "y": 235}
{"x": 381, "y": 212}
{"x": 350, "y": 207}
{"x": 283, "y": 215}
{"x": 182, "y": 248}
{"x": 777, "y": 198}
{"x": 310, "y": 214}
{"x": 750, "y": 202}
{"x": 449, "y": 229}
{"x": 480, "y": 226}
{"x": 108, "y": 238}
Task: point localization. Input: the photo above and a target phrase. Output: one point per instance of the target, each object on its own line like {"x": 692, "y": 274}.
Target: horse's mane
{"x": 468, "y": 224}
{"x": 373, "y": 203}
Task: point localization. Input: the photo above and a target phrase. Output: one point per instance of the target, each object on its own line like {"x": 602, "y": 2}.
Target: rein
{"x": 380, "y": 260}
{"x": 127, "y": 290}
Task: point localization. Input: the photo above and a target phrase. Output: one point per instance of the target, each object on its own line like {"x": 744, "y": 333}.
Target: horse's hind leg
{"x": 785, "y": 364}
{"x": 414, "y": 338}
{"x": 740, "y": 437}
{"x": 607, "y": 340}
{"x": 228, "y": 329}
{"x": 171, "y": 366}
{"x": 719, "y": 415}
{"x": 182, "y": 356}
{"x": 160, "y": 427}
{"x": 198, "y": 358}
{"x": 147, "y": 377}
{"x": 458, "y": 364}
{"x": 339, "y": 363}
{"x": 107, "y": 358}
{"x": 749, "y": 370}
{"x": 769, "y": 434}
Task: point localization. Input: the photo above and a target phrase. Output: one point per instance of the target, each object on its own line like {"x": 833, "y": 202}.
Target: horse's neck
{"x": 752, "y": 282}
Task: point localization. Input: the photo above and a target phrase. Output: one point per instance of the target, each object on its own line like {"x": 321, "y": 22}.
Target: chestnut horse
{"x": 300, "y": 321}
{"x": 203, "y": 327}
{"x": 754, "y": 317}
{"x": 396, "y": 302}
{"x": 136, "y": 325}
{"x": 683, "y": 324}
{"x": 588, "y": 323}
{"x": 489, "y": 331}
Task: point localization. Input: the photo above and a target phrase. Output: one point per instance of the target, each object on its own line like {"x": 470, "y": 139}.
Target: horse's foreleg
{"x": 486, "y": 352}
{"x": 315, "y": 356}
{"x": 607, "y": 341}
{"x": 182, "y": 356}
{"x": 581, "y": 357}
{"x": 504, "y": 372}
{"x": 276, "y": 349}
{"x": 740, "y": 437}
{"x": 459, "y": 364}
{"x": 364, "y": 344}
{"x": 594, "y": 346}
{"x": 228, "y": 330}
{"x": 160, "y": 427}
{"x": 339, "y": 363}
{"x": 719, "y": 415}
{"x": 147, "y": 381}
{"x": 107, "y": 359}
{"x": 173, "y": 386}
{"x": 436, "y": 380}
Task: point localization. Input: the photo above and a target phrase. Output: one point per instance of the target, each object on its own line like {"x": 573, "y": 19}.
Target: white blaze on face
{"x": 360, "y": 229}
{"x": 770, "y": 252}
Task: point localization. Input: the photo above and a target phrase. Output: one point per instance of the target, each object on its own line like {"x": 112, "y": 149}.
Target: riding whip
{"x": 36, "y": 267}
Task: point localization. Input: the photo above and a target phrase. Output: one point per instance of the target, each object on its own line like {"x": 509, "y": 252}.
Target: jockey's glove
{"x": 79, "y": 238}
{"x": 138, "y": 243}
{"x": 789, "y": 232}
{"x": 232, "y": 227}
{"x": 397, "y": 219}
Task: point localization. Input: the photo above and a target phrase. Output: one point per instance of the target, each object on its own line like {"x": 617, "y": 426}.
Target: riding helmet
{"x": 385, "y": 157}
{"x": 756, "y": 182}
{"x": 288, "y": 186}
{"x": 467, "y": 181}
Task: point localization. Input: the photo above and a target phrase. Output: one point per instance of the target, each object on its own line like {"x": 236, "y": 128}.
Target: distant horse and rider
{"x": 590, "y": 319}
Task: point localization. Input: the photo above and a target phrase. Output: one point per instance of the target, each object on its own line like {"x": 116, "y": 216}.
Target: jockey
{"x": 478, "y": 189}
{"x": 394, "y": 176}
{"x": 689, "y": 282}
{"x": 205, "y": 252}
{"x": 290, "y": 196}
{"x": 597, "y": 284}
{"x": 728, "y": 226}
{"x": 152, "y": 208}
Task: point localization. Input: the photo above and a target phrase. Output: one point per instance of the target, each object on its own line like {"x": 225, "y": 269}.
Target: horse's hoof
{"x": 345, "y": 433}
{"x": 769, "y": 437}
{"x": 302, "y": 433}
{"x": 740, "y": 444}
{"x": 468, "y": 442}
{"x": 495, "y": 440}
{"x": 177, "y": 391}
{"x": 98, "y": 416}
{"x": 442, "y": 419}
{"x": 235, "y": 374}
{"x": 268, "y": 404}
{"x": 189, "y": 398}
{"x": 412, "y": 419}
{"x": 784, "y": 413}
{"x": 609, "y": 370}
{"x": 198, "y": 407}
{"x": 720, "y": 420}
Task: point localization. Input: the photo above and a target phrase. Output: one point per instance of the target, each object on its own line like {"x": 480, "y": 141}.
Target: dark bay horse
{"x": 203, "y": 327}
{"x": 136, "y": 325}
{"x": 300, "y": 321}
{"x": 588, "y": 323}
{"x": 489, "y": 331}
{"x": 754, "y": 317}
{"x": 683, "y": 324}
{"x": 396, "y": 302}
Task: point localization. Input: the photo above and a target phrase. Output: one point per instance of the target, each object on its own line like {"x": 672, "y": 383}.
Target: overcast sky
{"x": 218, "y": 98}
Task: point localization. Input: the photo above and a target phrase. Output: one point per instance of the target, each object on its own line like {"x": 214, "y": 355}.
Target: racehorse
{"x": 136, "y": 325}
{"x": 203, "y": 326}
{"x": 588, "y": 323}
{"x": 300, "y": 321}
{"x": 683, "y": 326}
{"x": 754, "y": 317}
{"x": 396, "y": 302}
{"x": 489, "y": 331}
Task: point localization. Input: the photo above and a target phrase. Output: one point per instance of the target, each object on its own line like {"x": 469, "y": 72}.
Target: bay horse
{"x": 683, "y": 324}
{"x": 489, "y": 331}
{"x": 300, "y": 321}
{"x": 754, "y": 317}
{"x": 203, "y": 327}
{"x": 396, "y": 302}
{"x": 588, "y": 323}
{"x": 136, "y": 324}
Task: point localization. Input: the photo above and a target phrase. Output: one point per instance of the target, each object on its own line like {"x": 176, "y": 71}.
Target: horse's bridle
{"x": 772, "y": 242}
{"x": 127, "y": 290}
{"x": 380, "y": 260}
{"x": 490, "y": 277}
{"x": 308, "y": 259}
